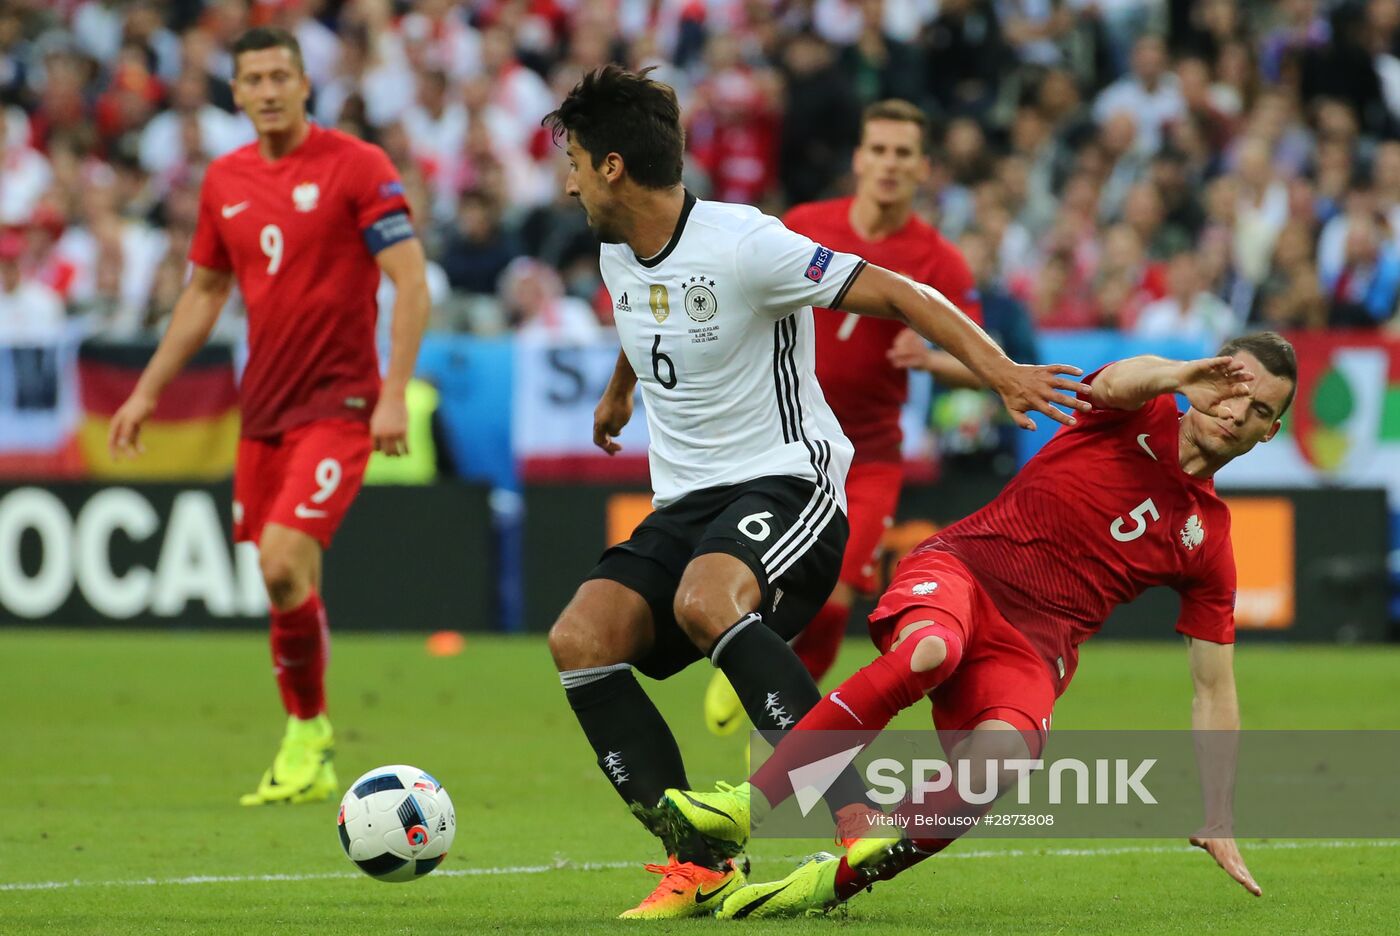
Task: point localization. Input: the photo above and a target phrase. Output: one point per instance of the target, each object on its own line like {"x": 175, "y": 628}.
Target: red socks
{"x": 820, "y": 640}
{"x": 885, "y": 686}
{"x": 865, "y": 702}
{"x": 946, "y": 804}
{"x": 300, "y": 647}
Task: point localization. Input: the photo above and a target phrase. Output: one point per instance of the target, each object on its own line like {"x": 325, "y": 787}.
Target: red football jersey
{"x": 1100, "y": 514}
{"x": 859, "y": 383}
{"x": 294, "y": 232}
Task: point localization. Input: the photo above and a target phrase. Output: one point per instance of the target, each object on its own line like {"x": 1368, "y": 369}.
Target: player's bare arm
{"x": 1215, "y": 716}
{"x": 405, "y": 265}
{"x": 615, "y": 408}
{"x": 1024, "y": 388}
{"x": 913, "y": 353}
{"x": 1130, "y": 383}
{"x": 195, "y": 314}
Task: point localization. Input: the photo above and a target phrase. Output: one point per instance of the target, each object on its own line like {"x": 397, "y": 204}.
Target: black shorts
{"x": 789, "y": 531}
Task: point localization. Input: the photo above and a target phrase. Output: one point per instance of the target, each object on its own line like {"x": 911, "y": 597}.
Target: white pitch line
{"x": 566, "y": 865}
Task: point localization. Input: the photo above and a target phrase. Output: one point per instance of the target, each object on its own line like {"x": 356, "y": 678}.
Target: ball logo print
{"x": 396, "y": 823}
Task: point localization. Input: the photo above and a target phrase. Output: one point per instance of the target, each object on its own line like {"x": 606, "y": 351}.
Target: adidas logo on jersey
{"x": 622, "y": 304}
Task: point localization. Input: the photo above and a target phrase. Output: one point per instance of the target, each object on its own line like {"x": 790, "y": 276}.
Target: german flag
{"x": 193, "y": 433}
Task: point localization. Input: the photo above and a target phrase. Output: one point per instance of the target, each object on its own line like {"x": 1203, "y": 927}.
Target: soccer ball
{"x": 396, "y": 823}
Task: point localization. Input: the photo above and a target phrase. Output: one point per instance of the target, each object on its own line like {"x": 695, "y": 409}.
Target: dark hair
{"x": 613, "y": 110}
{"x": 267, "y": 37}
{"x": 1274, "y": 352}
{"x": 901, "y": 110}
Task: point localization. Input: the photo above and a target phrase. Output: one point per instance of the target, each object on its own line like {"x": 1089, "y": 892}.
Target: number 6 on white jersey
{"x": 1140, "y": 527}
{"x": 270, "y": 240}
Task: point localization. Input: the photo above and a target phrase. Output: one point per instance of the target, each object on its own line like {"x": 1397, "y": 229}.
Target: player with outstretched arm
{"x": 863, "y": 362}
{"x": 747, "y": 461}
{"x": 985, "y": 618}
{"x": 304, "y": 220}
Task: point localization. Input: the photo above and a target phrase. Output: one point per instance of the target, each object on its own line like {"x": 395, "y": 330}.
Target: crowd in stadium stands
{"x": 1155, "y": 167}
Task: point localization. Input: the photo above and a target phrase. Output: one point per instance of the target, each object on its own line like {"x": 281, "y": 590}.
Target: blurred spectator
{"x": 30, "y": 312}
{"x": 880, "y": 64}
{"x": 1302, "y": 29}
{"x": 163, "y": 141}
{"x": 1150, "y": 95}
{"x": 1035, "y": 28}
{"x": 537, "y": 308}
{"x": 1188, "y": 309}
{"x": 1261, "y": 212}
{"x": 821, "y": 121}
{"x": 478, "y": 248}
{"x": 558, "y": 234}
{"x": 436, "y": 125}
{"x": 1363, "y": 290}
{"x": 1343, "y": 70}
{"x": 1291, "y": 296}
{"x": 963, "y": 51}
{"x": 1055, "y": 297}
{"x": 1125, "y": 281}
{"x": 24, "y": 172}
{"x": 733, "y": 129}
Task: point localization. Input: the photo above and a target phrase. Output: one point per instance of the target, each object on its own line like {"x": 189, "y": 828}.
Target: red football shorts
{"x": 1000, "y": 677}
{"x": 872, "y": 493}
{"x": 305, "y": 479}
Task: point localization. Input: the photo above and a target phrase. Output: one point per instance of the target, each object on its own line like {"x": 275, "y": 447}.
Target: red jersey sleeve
{"x": 376, "y": 194}
{"x": 1208, "y": 602}
{"x": 1108, "y": 416}
{"x": 207, "y": 248}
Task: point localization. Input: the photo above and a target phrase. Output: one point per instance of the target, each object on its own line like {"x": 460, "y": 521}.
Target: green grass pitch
{"x": 124, "y": 755}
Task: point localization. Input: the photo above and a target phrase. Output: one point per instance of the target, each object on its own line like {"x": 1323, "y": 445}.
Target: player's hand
{"x": 910, "y": 351}
{"x": 1040, "y": 388}
{"x": 1227, "y": 854}
{"x": 611, "y": 414}
{"x": 124, "y": 434}
{"x": 1210, "y": 382}
{"x": 388, "y": 425}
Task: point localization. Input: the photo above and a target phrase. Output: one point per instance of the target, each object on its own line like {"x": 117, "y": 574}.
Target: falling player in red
{"x": 986, "y": 617}
{"x": 304, "y": 220}
{"x": 862, "y": 363}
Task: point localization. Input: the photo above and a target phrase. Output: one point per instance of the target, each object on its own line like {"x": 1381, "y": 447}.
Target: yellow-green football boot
{"x": 724, "y": 713}
{"x": 810, "y": 890}
{"x": 722, "y": 818}
{"x": 302, "y": 771}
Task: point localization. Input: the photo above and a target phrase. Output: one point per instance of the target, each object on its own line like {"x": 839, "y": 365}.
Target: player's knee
{"x": 576, "y": 642}
{"x": 931, "y": 651}
{"x": 287, "y": 583}
{"x": 928, "y": 654}
{"x": 997, "y": 746}
{"x": 701, "y": 616}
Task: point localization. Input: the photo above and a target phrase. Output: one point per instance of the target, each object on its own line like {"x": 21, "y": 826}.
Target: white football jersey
{"x": 718, "y": 327}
